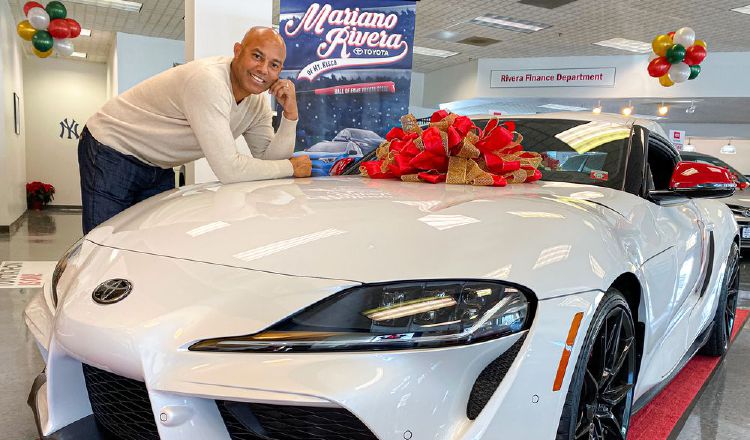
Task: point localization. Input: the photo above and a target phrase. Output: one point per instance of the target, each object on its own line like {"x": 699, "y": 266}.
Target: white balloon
{"x": 64, "y": 46}
{"x": 679, "y": 72}
{"x": 38, "y": 18}
{"x": 684, "y": 36}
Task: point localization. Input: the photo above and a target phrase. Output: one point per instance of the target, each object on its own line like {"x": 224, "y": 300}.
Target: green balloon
{"x": 694, "y": 71}
{"x": 676, "y": 53}
{"x": 42, "y": 41}
{"x": 56, "y": 9}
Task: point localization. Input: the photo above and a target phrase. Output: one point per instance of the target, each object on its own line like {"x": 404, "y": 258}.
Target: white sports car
{"x": 346, "y": 308}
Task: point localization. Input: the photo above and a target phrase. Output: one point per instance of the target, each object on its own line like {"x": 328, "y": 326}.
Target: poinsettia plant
{"x": 39, "y": 192}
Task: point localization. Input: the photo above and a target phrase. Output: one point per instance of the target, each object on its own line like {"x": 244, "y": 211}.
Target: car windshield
{"x": 329, "y": 147}
{"x": 358, "y": 135}
{"x": 714, "y": 161}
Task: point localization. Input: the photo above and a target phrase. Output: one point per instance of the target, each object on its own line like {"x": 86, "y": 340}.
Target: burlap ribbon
{"x": 454, "y": 150}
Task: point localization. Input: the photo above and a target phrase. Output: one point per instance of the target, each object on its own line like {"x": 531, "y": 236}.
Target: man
{"x": 128, "y": 148}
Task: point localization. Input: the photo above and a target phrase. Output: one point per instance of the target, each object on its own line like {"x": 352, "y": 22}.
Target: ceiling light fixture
{"x": 691, "y": 109}
{"x": 663, "y": 109}
{"x": 433, "y": 52}
{"x": 728, "y": 148}
{"x": 78, "y": 54}
{"x": 509, "y": 24}
{"x": 628, "y": 45}
{"x": 627, "y": 111}
{"x": 85, "y": 32}
{"x": 742, "y": 10}
{"x": 689, "y": 146}
{"x": 598, "y": 109}
{"x": 122, "y": 5}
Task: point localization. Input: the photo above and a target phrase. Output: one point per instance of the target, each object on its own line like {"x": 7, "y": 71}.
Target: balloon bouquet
{"x": 677, "y": 57}
{"x": 48, "y": 28}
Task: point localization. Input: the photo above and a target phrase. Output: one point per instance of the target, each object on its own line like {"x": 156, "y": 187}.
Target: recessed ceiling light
{"x": 78, "y": 54}
{"x": 509, "y": 24}
{"x": 114, "y": 4}
{"x": 743, "y": 10}
{"x": 85, "y": 32}
{"x": 433, "y": 52}
{"x": 623, "y": 44}
{"x": 569, "y": 108}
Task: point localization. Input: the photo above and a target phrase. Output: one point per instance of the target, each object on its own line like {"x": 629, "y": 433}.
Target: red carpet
{"x": 657, "y": 420}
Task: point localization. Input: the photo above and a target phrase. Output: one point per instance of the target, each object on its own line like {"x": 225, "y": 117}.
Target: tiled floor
{"x": 722, "y": 412}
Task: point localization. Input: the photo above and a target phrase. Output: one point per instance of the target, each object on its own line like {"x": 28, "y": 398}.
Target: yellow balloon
{"x": 701, "y": 43}
{"x": 25, "y": 30}
{"x": 41, "y": 54}
{"x": 665, "y": 81}
{"x": 661, "y": 44}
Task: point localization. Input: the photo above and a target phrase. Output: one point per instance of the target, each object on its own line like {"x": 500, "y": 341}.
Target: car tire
{"x": 589, "y": 406}
{"x": 718, "y": 341}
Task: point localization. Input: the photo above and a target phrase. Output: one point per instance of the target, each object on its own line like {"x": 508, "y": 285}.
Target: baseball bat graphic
{"x": 350, "y": 89}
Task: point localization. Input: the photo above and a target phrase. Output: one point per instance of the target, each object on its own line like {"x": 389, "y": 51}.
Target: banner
{"x": 351, "y": 63}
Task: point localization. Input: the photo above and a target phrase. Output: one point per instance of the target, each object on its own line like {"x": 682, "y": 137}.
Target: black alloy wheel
{"x": 733, "y": 293}
{"x": 726, "y": 309}
{"x": 604, "y": 383}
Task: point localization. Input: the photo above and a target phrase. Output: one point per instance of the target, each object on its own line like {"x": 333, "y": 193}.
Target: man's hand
{"x": 285, "y": 93}
{"x": 302, "y": 166}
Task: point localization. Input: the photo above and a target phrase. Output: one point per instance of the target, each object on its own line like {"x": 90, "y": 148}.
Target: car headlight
{"x": 393, "y": 316}
{"x": 61, "y": 266}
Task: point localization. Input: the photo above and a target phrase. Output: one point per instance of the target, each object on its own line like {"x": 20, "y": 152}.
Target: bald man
{"x": 128, "y": 148}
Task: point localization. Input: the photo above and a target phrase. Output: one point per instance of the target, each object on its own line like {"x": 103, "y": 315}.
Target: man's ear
{"x": 237, "y": 49}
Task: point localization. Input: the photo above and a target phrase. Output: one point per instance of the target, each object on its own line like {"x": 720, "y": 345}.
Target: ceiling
{"x": 574, "y": 26}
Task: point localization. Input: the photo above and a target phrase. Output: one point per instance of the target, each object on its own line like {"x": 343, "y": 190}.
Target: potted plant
{"x": 39, "y": 194}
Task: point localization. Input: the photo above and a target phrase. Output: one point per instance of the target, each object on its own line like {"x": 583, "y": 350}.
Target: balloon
{"x": 38, "y": 18}
{"x": 25, "y": 30}
{"x": 665, "y": 81}
{"x": 30, "y": 5}
{"x": 661, "y": 44}
{"x": 695, "y": 70}
{"x": 42, "y": 41}
{"x": 684, "y": 36}
{"x": 701, "y": 43}
{"x": 676, "y": 53}
{"x": 59, "y": 28}
{"x": 658, "y": 67}
{"x": 75, "y": 28}
{"x": 56, "y": 9}
{"x": 64, "y": 47}
{"x": 41, "y": 54}
{"x": 679, "y": 72}
{"x": 671, "y": 36}
{"x": 695, "y": 55}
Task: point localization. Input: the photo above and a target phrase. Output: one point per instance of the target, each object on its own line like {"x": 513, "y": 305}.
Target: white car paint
{"x": 212, "y": 261}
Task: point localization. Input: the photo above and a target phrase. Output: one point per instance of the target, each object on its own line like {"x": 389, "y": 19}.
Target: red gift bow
{"x": 454, "y": 150}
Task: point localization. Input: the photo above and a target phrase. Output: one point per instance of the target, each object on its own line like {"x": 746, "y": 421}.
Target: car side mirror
{"x": 695, "y": 179}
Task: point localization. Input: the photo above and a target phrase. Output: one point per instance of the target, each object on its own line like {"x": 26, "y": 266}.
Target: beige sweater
{"x": 189, "y": 112}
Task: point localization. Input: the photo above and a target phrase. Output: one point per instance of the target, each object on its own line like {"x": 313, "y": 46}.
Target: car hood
{"x": 352, "y": 228}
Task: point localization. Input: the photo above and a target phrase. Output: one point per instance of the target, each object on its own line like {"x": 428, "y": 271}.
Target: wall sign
{"x": 69, "y": 128}
{"x": 590, "y": 77}
{"x": 678, "y": 138}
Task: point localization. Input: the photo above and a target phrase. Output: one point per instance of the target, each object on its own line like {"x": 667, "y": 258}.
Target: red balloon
{"x": 658, "y": 67}
{"x": 671, "y": 35}
{"x": 59, "y": 28}
{"x": 75, "y": 28}
{"x": 695, "y": 54}
{"x": 30, "y": 5}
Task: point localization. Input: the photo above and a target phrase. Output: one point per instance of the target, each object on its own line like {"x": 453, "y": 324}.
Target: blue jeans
{"x": 112, "y": 182}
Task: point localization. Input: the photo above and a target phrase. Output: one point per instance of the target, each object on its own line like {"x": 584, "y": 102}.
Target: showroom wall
{"x": 12, "y": 145}
{"x": 60, "y": 96}
{"x": 740, "y": 161}
{"x": 140, "y": 57}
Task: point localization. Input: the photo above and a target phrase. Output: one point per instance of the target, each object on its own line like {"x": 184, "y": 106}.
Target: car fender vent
{"x": 490, "y": 378}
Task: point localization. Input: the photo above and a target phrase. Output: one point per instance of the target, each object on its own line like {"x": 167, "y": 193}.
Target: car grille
{"x": 121, "y": 406}
{"x": 255, "y": 421}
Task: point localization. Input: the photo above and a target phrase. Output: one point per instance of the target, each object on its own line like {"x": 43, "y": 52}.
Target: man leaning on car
{"x": 128, "y": 148}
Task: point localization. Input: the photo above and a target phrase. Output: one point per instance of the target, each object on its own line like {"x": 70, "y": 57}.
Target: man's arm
{"x": 207, "y": 111}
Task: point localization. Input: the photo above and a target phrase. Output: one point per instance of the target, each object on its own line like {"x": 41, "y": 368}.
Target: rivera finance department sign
{"x": 591, "y": 77}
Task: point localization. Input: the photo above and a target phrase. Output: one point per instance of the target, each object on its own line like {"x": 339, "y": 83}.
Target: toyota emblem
{"x": 112, "y": 291}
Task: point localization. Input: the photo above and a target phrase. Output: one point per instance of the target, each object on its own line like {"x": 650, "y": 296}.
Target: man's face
{"x": 257, "y": 65}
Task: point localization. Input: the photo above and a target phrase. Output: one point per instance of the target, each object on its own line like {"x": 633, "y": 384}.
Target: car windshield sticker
{"x": 599, "y": 175}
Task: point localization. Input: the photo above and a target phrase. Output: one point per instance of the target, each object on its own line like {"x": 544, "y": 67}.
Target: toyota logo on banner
{"x": 112, "y": 291}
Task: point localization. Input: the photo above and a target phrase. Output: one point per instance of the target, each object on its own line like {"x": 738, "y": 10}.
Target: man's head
{"x": 257, "y": 62}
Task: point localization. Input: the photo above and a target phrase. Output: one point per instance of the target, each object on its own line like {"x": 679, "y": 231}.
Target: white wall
{"x": 57, "y": 89}
{"x": 112, "y": 81}
{"x": 724, "y": 131}
{"x": 12, "y": 146}
{"x": 450, "y": 84}
{"x": 140, "y": 57}
{"x": 740, "y": 161}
